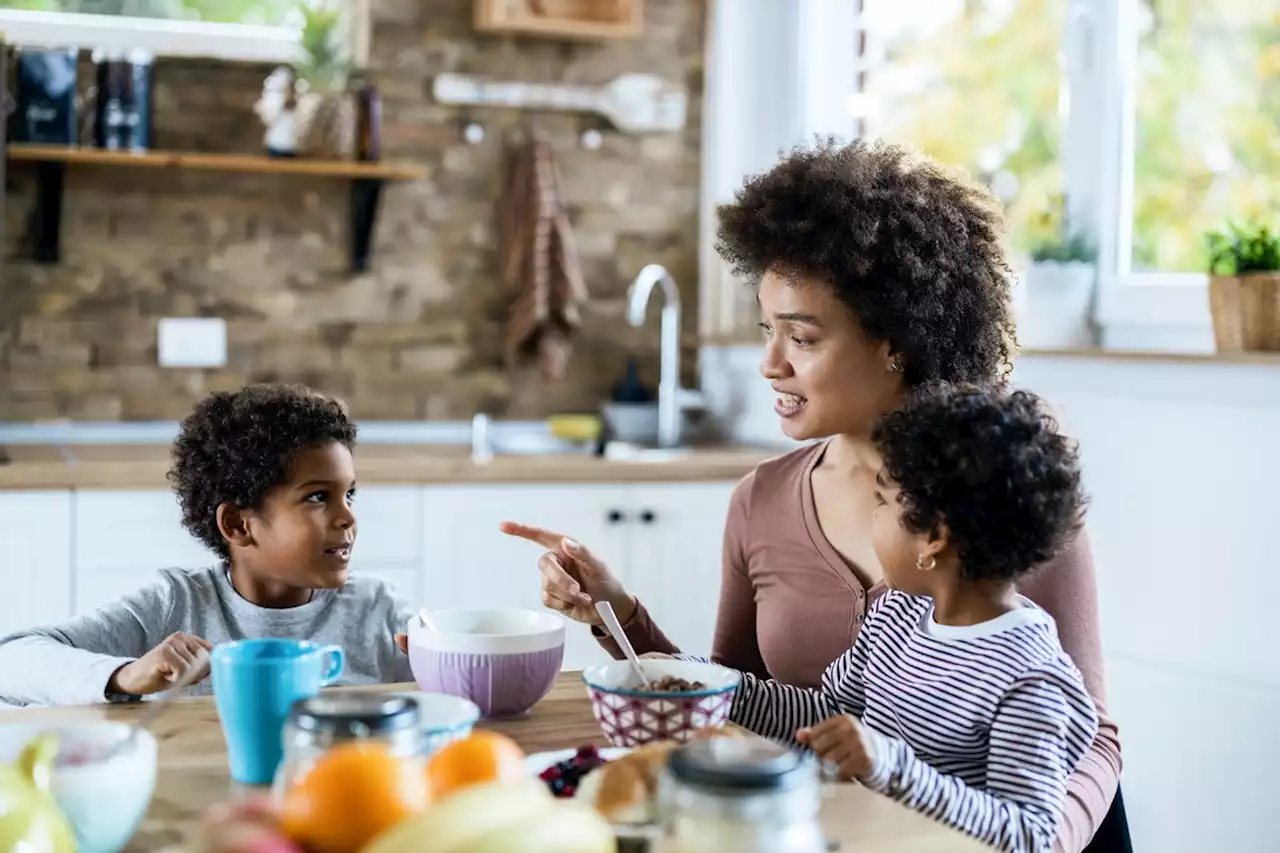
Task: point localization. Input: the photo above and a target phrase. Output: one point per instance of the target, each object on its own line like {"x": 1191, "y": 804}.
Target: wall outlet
{"x": 192, "y": 342}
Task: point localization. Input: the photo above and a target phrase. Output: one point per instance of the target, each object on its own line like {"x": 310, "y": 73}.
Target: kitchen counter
{"x": 192, "y": 773}
{"x": 143, "y": 466}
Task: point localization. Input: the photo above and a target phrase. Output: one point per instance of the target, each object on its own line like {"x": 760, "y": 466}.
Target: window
{"x": 971, "y": 84}
{"x": 251, "y": 30}
{"x": 1154, "y": 121}
{"x": 273, "y": 13}
{"x": 1207, "y": 100}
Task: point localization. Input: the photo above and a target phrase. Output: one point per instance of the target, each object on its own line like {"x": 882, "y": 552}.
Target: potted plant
{"x": 1059, "y": 289}
{"x": 324, "y": 123}
{"x": 1244, "y": 288}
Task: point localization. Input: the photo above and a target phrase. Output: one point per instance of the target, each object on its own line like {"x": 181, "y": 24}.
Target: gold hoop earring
{"x": 926, "y": 567}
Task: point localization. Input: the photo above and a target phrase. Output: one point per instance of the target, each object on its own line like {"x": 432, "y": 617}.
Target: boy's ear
{"x": 233, "y": 525}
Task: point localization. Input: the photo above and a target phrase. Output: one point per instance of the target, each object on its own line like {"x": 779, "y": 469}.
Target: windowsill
{"x": 228, "y": 42}
{"x": 1101, "y": 353}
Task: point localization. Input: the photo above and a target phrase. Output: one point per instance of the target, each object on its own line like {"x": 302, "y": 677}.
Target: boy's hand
{"x": 840, "y": 741}
{"x": 161, "y": 667}
{"x": 402, "y": 640}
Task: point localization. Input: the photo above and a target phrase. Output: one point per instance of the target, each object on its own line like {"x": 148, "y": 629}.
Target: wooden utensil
{"x": 635, "y": 103}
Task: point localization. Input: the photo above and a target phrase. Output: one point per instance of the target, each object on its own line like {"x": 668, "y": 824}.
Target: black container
{"x": 123, "y": 107}
{"x": 45, "y": 96}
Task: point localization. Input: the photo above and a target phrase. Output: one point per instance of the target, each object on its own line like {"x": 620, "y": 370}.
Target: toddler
{"x": 956, "y": 698}
{"x": 266, "y": 480}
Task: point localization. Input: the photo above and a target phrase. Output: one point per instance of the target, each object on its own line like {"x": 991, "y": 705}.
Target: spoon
{"x": 605, "y": 609}
{"x": 426, "y": 619}
{"x": 157, "y": 707}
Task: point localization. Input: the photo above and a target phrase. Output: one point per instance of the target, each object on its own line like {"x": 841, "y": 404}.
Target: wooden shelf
{"x": 579, "y": 20}
{"x": 52, "y": 161}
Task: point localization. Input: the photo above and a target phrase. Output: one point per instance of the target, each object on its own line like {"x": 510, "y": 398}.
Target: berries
{"x": 563, "y": 778}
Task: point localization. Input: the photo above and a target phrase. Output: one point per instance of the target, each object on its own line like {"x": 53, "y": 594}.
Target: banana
{"x": 564, "y": 827}
{"x": 450, "y": 824}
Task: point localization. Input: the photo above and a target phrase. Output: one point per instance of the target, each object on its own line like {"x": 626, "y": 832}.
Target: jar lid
{"x": 354, "y": 714}
{"x": 739, "y": 765}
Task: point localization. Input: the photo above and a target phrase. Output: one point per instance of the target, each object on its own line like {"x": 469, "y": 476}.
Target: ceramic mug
{"x": 255, "y": 683}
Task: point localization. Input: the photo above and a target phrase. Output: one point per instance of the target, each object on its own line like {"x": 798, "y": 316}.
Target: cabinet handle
{"x": 648, "y": 516}
{"x": 616, "y": 516}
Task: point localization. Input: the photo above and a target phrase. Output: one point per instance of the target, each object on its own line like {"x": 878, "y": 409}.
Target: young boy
{"x": 266, "y": 480}
{"x": 956, "y": 699}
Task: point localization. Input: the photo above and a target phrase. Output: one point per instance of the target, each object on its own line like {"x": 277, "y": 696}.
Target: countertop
{"x": 143, "y": 466}
{"x": 192, "y": 773}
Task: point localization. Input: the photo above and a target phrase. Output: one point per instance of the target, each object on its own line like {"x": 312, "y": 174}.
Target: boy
{"x": 956, "y": 699}
{"x": 266, "y": 480}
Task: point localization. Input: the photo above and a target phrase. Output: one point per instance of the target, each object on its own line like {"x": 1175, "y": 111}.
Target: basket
{"x": 1246, "y": 312}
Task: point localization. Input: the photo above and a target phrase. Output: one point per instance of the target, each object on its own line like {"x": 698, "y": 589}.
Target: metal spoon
{"x": 157, "y": 707}
{"x": 605, "y": 609}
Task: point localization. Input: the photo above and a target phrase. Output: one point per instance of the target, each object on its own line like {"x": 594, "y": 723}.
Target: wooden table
{"x": 193, "y": 772}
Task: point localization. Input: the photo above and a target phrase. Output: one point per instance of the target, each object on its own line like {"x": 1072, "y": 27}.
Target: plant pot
{"x": 1246, "y": 312}
{"x": 325, "y": 126}
{"x": 1058, "y": 306}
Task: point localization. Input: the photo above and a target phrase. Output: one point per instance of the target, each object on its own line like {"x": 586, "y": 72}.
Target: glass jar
{"x": 746, "y": 795}
{"x": 319, "y": 723}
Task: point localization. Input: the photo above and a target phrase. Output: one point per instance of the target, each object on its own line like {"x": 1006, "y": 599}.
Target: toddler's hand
{"x": 161, "y": 667}
{"x": 840, "y": 741}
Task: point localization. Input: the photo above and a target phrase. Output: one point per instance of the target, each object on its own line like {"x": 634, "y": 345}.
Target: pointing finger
{"x": 537, "y": 535}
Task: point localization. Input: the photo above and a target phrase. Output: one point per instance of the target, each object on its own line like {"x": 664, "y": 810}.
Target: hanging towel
{"x": 539, "y": 262}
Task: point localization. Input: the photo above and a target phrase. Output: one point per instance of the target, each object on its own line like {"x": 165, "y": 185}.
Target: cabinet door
{"x": 675, "y": 535}
{"x": 122, "y": 537}
{"x": 36, "y": 543}
{"x": 469, "y": 563}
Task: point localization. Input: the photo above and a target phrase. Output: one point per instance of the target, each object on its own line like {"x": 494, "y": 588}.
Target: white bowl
{"x": 443, "y": 718}
{"x": 630, "y": 716}
{"x": 104, "y": 801}
{"x": 503, "y": 630}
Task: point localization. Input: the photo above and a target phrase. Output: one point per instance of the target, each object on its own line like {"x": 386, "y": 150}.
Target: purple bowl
{"x": 503, "y": 660}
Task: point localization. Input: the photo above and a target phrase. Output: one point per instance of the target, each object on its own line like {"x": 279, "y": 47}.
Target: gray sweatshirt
{"x": 71, "y": 663}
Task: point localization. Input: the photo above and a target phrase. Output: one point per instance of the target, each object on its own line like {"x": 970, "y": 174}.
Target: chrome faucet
{"x": 672, "y": 399}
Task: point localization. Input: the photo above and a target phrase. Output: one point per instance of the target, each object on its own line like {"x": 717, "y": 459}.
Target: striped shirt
{"x": 976, "y": 726}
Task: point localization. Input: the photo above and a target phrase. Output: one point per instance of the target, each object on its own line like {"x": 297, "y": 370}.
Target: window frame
{"x": 1135, "y": 310}
{"x": 170, "y": 38}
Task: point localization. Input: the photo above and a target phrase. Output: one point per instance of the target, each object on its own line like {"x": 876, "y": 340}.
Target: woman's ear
{"x": 234, "y": 525}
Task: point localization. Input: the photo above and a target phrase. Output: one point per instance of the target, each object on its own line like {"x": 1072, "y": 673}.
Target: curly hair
{"x": 914, "y": 249}
{"x": 991, "y": 466}
{"x": 234, "y": 447}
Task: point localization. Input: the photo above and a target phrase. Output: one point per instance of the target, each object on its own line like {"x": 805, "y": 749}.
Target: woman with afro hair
{"x": 878, "y": 271}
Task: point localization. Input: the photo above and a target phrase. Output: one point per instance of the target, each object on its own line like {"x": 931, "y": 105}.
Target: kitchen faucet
{"x": 672, "y": 399}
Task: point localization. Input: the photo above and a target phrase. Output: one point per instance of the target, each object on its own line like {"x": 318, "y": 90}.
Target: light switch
{"x": 192, "y": 342}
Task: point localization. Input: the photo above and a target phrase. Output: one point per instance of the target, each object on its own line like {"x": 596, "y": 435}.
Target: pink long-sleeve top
{"x": 790, "y": 605}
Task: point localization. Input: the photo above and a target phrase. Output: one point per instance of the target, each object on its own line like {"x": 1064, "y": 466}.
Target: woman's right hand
{"x": 574, "y": 579}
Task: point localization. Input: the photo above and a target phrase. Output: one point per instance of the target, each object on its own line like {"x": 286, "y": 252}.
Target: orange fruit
{"x": 352, "y": 793}
{"x": 481, "y": 757}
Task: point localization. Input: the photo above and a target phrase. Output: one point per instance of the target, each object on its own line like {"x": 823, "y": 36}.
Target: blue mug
{"x": 255, "y": 683}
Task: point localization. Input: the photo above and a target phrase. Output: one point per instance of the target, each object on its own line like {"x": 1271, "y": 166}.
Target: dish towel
{"x": 539, "y": 262}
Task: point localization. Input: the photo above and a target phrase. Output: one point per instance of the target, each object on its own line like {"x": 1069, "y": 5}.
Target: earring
{"x": 895, "y": 365}
{"x": 926, "y": 567}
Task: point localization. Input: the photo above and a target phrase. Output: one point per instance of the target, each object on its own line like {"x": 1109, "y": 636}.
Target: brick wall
{"x": 419, "y": 335}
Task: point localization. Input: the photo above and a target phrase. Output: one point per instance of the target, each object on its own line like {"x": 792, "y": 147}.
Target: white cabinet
{"x": 662, "y": 540}
{"x": 35, "y": 547}
{"x": 674, "y": 557}
{"x": 122, "y": 538}
{"x": 469, "y": 563}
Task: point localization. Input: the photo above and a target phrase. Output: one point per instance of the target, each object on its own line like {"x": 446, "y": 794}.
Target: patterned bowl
{"x": 633, "y": 717}
{"x": 503, "y": 660}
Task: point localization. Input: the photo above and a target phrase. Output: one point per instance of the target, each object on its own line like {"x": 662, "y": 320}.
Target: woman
{"x": 877, "y": 271}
